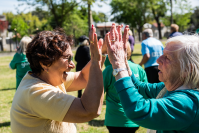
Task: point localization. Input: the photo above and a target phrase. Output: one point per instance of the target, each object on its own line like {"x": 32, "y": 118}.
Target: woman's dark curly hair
{"x": 47, "y": 47}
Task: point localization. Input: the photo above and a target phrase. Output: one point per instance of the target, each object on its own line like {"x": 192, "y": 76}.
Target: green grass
{"x": 7, "y": 91}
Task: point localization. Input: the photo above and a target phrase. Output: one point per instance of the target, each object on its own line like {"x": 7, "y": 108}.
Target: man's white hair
{"x": 188, "y": 55}
{"x": 148, "y": 32}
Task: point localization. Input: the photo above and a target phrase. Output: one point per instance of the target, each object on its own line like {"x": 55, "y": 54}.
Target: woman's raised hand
{"x": 116, "y": 47}
{"x": 95, "y": 45}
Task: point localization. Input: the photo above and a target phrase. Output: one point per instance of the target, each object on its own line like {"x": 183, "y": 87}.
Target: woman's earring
{"x": 47, "y": 71}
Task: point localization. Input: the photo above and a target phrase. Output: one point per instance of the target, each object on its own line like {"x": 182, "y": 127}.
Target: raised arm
{"x": 89, "y": 105}
{"x": 81, "y": 77}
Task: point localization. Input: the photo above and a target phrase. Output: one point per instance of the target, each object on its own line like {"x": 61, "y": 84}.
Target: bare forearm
{"x": 103, "y": 60}
{"x": 92, "y": 98}
{"x": 85, "y": 71}
{"x": 144, "y": 59}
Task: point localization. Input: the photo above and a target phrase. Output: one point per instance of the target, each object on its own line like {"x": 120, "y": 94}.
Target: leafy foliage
{"x": 181, "y": 17}
{"x": 20, "y": 26}
{"x": 60, "y": 9}
{"x": 195, "y": 18}
{"x": 136, "y": 14}
{"x": 9, "y": 16}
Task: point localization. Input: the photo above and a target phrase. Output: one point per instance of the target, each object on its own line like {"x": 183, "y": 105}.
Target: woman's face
{"x": 169, "y": 65}
{"x": 57, "y": 71}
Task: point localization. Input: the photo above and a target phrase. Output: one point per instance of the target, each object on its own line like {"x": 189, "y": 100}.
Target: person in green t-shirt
{"x": 19, "y": 61}
{"x": 115, "y": 118}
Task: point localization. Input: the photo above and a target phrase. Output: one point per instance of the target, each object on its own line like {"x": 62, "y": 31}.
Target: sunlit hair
{"x": 174, "y": 27}
{"x": 148, "y": 32}
{"x": 130, "y": 33}
{"x": 85, "y": 42}
{"x": 23, "y": 44}
{"x": 188, "y": 55}
{"x": 128, "y": 48}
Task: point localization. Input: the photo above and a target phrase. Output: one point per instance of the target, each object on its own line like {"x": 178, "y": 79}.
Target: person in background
{"x": 115, "y": 118}
{"x": 41, "y": 103}
{"x": 174, "y": 31}
{"x": 19, "y": 61}
{"x": 152, "y": 49}
{"x": 82, "y": 56}
{"x": 171, "y": 106}
{"x": 131, "y": 40}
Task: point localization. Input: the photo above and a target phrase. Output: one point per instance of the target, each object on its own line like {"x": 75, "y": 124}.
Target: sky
{"x": 10, "y": 5}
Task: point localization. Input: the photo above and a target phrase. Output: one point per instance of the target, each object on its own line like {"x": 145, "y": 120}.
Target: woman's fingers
{"x": 95, "y": 41}
{"x": 112, "y": 34}
{"x": 104, "y": 47}
{"x": 108, "y": 43}
{"x": 116, "y": 34}
{"x": 125, "y": 36}
{"x": 120, "y": 32}
{"x": 91, "y": 34}
{"x": 100, "y": 43}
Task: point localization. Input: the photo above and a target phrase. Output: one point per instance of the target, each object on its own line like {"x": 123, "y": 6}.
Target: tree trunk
{"x": 89, "y": 21}
{"x": 171, "y": 12}
{"x": 159, "y": 30}
{"x": 1, "y": 44}
{"x": 139, "y": 37}
{"x": 159, "y": 27}
{"x": 133, "y": 33}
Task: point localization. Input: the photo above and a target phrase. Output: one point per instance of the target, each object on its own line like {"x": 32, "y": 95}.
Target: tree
{"x": 60, "y": 10}
{"x": 181, "y": 16}
{"x": 135, "y": 14}
{"x": 9, "y": 16}
{"x": 195, "y": 18}
{"x": 159, "y": 9}
{"x": 90, "y": 19}
{"x": 19, "y": 26}
{"x": 33, "y": 22}
{"x": 99, "y": 17}
{"x": 41, "y": 14}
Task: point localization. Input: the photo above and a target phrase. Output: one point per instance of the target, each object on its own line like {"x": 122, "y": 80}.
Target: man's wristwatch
{"x": 116, "y": 71}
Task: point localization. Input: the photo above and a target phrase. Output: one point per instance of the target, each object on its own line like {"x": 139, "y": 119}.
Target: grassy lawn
{"x": 7, "y": 91}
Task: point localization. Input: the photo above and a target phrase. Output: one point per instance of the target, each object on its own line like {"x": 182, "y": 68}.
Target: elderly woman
{"x": 41, "y": 104}
{"x": 19, "y": 61}
{"x": 177, "y": 109}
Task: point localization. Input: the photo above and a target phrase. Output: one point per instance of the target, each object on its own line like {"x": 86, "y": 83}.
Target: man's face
{"x": 143, "y": 36}
{"x": 169, "y": 64}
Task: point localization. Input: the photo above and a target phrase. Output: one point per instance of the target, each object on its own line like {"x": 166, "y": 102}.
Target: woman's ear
{"x": 45, "y": 68}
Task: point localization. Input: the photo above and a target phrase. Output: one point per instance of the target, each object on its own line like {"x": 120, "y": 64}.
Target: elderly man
{"x": 152, "y": 49}
{"x": 174, "y": 31}
{"x": 171, "y": 106}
